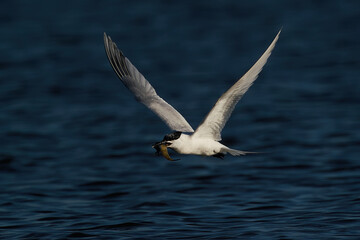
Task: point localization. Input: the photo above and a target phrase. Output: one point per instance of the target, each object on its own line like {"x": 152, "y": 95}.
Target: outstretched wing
{"x": 216, "y": 119}
{"x": 142, "y": 89}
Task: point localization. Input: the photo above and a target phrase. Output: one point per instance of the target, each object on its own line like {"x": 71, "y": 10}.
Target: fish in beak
{"x": 161, "y": 147}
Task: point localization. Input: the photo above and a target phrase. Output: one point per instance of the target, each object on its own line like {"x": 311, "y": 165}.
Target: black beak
{"x": 157, "y": 148}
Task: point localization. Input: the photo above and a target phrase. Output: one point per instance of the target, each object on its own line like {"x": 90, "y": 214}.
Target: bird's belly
{"x": 200, "y": 147}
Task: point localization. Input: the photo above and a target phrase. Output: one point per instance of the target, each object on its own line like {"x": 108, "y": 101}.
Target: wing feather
{"x": 216, "y": 119}
{"x": 142, "y": 89}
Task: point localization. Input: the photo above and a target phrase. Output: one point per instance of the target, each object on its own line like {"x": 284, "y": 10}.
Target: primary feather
{"x": 216, "y": 119}
{"x": 142, "y": 89}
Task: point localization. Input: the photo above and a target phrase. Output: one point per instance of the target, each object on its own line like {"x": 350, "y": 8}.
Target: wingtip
{"x": 106, "y": 38}
{"x": 278, "y": 34}
{"x": 272, "y": 45}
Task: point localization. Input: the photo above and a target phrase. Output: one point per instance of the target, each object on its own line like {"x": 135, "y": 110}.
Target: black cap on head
{"x": 172, "y": 136}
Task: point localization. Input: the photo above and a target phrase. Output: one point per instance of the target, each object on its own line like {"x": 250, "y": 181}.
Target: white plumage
{"x": 190, "y": 144}
{"x": 205, "y": 140}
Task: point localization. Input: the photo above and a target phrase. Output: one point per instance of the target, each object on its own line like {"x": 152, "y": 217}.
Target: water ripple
{"x": 75, "y": 147}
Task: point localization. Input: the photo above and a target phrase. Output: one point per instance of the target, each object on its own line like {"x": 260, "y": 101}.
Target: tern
{"x": 205, "y": 140}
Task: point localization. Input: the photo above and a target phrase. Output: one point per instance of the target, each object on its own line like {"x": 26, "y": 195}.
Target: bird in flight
{"x": 205, "y": 140}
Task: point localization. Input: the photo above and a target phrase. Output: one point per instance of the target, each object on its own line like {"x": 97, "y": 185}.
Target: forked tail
{"x": 235, "y": 152}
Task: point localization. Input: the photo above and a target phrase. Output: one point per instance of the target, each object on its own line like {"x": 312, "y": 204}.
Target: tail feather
{"x": 235, "y": 152}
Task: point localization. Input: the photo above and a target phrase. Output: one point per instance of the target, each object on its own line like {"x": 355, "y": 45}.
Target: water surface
{"x": 75, "y": 147}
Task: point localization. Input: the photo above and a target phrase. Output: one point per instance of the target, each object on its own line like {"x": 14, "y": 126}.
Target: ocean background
{"x": 75, "y": 147}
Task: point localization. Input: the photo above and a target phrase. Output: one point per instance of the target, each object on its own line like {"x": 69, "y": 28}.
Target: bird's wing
{"x": 216, "y": 119}
{"x": 142, "y": 89}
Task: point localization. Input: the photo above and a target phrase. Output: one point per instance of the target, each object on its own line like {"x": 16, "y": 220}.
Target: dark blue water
{"x": 75, "y": 148}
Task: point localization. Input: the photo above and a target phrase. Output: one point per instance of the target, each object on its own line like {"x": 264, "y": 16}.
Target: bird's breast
{"x": 197, "y": 146}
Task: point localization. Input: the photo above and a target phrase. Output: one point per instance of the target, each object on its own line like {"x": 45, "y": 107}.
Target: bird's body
{"x": 205, "y": 139}
{"x": 188, "y": 144}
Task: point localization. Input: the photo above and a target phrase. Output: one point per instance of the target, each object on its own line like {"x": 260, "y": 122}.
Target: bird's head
{"x": 161, "y": 147}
